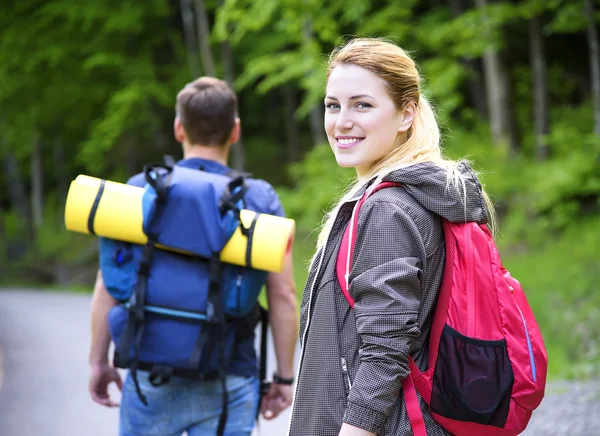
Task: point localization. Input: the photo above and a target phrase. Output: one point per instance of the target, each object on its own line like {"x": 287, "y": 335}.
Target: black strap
{"x": 198, "y": 347}
{"x": 263, "y": 385}
{"x": 160, "y": 375}
{"x": 235, "y": 191}
{"x": 187, "y": 373}
{"x": 134, "y": 330}
{"x": 159, "y": 177}
{"x": 135, "y": 317}
{"x": 250, "y": 235}
{"x": 214, "y": 308}
{"x": 136, "y": 383}
{"x": 224, "y": 412}
{"x": 215, "y": 312}
{"x": 94, "y": 209}
{"x": 264, "y": 330}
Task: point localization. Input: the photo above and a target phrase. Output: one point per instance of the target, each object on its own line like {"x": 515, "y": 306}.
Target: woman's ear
{"x": 407, "y": 117}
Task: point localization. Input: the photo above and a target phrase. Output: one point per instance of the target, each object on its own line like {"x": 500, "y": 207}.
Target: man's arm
{"x": 283, "y": 316}
{"x": 102, "y": 372}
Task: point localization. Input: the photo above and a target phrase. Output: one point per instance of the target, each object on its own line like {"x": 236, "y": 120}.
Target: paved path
{"x": 44, "y": 339}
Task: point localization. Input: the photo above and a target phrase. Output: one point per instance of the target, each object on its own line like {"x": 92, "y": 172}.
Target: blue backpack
{"x": 180, "y": 308}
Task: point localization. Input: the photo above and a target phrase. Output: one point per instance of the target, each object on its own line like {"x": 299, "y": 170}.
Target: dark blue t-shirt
{"x": 260, "y": 197}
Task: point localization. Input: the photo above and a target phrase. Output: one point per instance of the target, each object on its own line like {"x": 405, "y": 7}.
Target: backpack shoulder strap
{"x": 344, "y": 259}
{"x": 343, "y": 268}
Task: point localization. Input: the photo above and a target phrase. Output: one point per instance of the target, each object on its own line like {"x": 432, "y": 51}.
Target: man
{"x": 206, "y": 125}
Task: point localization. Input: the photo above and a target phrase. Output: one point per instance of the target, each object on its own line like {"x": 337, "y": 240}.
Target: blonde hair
{"x": 402, "y": 79}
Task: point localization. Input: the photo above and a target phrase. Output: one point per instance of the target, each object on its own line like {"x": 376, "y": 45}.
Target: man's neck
{"x": 215, "y": 153}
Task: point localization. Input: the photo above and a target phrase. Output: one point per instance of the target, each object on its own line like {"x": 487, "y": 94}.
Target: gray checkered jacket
{"x": 353, "y": 361}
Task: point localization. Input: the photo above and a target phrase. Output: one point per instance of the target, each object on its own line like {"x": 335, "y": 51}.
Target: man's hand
{"x": 101, "y": 372}
{"x": 283, "y": 317}
{"x": 101, "y": 375}
{"x": 277, "y": 399}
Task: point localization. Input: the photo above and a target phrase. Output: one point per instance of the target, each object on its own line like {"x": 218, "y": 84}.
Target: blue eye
{"x": 363, "y": 105}
{"x": 332, "y": 106}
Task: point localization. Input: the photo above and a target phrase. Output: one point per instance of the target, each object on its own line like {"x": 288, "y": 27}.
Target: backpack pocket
{"x": 119, "y": 263}
{"x": 473, "y": 379}
{"x": 241, "y": 288}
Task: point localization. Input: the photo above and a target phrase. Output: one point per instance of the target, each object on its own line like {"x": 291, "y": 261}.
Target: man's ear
{"x": 179, "y": 131}
{"x": 408, "y": 116}
{"x": 236, "y": 131}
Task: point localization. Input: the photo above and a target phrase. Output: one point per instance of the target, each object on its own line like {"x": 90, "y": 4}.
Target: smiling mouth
{"x": 348, "y": 142}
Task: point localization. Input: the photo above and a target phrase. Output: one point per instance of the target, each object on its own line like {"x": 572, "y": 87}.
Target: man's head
{"x": 207, "y": 113}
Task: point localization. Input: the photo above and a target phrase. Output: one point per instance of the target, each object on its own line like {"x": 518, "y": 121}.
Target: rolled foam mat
{"x": 118, "y": 215}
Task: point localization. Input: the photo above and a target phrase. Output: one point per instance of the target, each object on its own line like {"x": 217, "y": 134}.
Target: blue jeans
{"x": 184, "y": 405}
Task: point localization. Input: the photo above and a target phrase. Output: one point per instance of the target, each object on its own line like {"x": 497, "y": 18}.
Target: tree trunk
{"x": 498, "y": 91}
{"x": 60, "y": 172}
{"x": 131, "y": 155}
{"x": 208, "y": 61}
{"x": 18, "y": 201}
{"x": 540, "y": 89}
{"x": 189, "y": 34}
{"x": 475, "y": 82}
{"x": 237, "y": 150}
{"x": 2, "y": 212}
{"x": 37, "y": 185}
{"x": 2, "y": 234}
{"x": 592, "y": 35}
{"x": 291, "y": 126}
{"x": 316, "y": 113}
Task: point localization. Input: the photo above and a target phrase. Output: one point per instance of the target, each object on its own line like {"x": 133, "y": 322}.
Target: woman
{"x": 354, "y": 360}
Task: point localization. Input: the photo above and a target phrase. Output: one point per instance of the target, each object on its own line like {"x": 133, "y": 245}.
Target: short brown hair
{"x": 207, "y": 108}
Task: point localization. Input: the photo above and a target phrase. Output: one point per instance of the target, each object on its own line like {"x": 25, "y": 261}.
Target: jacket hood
{"x": 429, "y": 185}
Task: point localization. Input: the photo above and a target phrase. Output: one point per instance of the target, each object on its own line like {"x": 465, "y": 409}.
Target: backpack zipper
{"x": 529, "y": 346}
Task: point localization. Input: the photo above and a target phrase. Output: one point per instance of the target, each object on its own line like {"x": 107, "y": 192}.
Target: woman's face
{"x": 361, "y": 120}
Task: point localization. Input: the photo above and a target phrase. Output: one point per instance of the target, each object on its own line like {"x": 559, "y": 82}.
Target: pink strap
{"x": 412, "y": 407}
{"x": 345, "y": 254}
{"x": 340, "y": 267}
{"x": 343, "y": 266}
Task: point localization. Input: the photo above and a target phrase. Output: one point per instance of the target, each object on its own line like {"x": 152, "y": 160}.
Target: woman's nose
{"x": 344, "y": 122}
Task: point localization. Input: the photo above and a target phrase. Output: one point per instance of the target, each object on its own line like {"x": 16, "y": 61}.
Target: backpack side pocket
{"x": 119, "y": 263}
{"x": 241, "y": 288}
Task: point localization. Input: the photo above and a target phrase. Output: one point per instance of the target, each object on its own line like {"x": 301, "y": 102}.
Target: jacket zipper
{"x": 529, "y": 346}
{"x": 345, "y": 371}
{"x": 304, "y": 334}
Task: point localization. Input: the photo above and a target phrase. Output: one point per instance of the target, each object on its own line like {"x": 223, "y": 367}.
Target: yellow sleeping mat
{"x": 118, "y": 215}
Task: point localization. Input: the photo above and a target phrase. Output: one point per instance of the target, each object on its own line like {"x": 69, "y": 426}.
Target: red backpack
{"x": 487, "y": 359}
